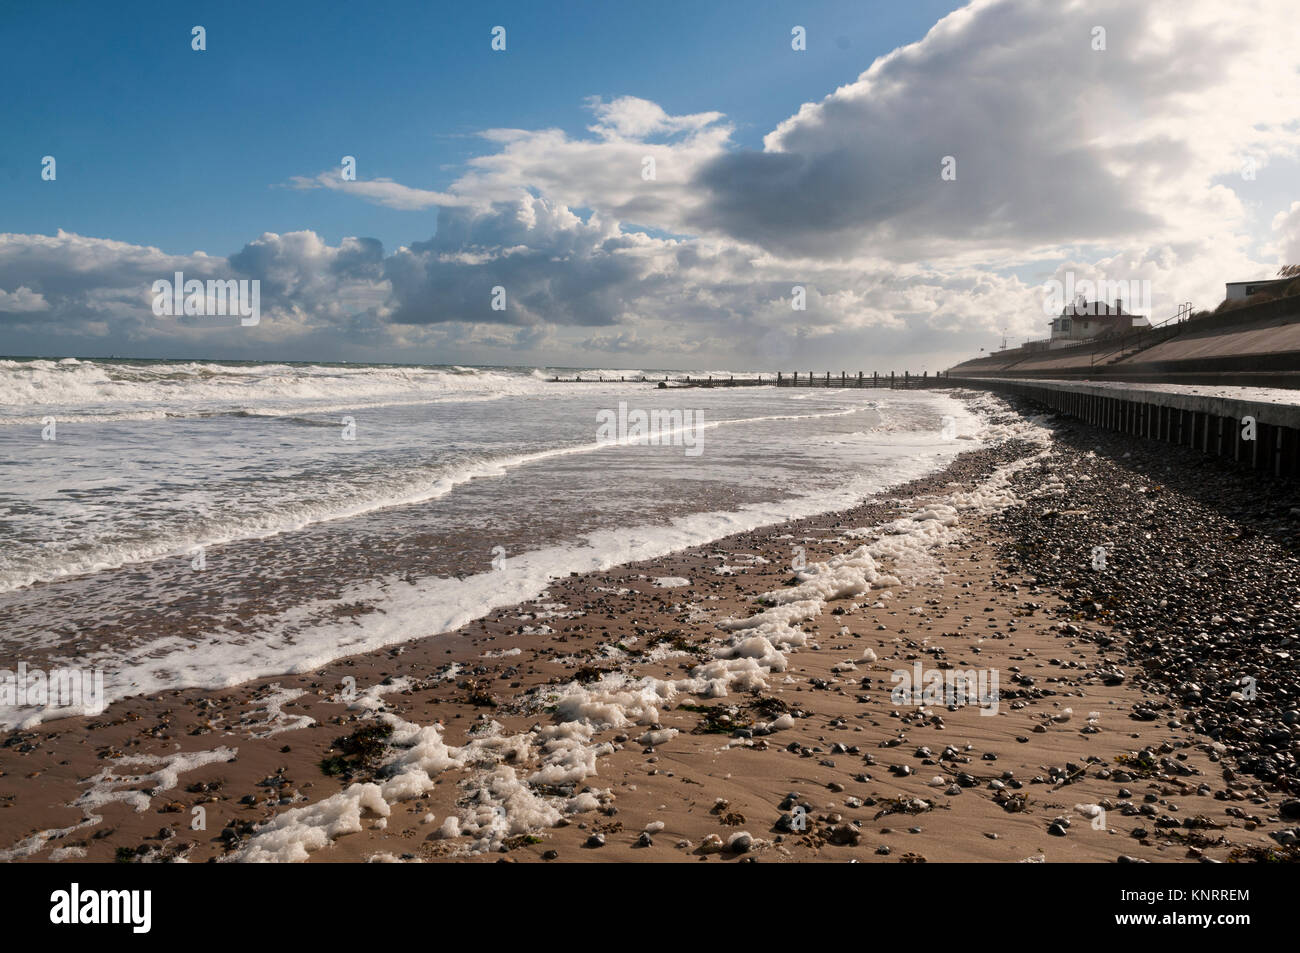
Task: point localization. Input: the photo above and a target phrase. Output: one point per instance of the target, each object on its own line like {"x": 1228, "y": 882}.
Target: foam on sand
{"x": 525, "y": 782}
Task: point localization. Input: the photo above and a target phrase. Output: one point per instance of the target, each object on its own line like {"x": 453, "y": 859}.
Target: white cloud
{"x": 1119, "y": 164}
{"x": 1055, "y": 143}
{"x": 1286, "y": 226}
{"x": 381, "y": 191}
{"x": 22, "y": 300}
{"x": 629, "y": 117}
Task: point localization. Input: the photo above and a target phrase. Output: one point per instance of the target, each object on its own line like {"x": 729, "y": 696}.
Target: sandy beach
{"x": 721, "y": 704}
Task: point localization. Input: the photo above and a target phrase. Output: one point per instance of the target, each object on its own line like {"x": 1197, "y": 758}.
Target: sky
{"x": 667, "y": 185}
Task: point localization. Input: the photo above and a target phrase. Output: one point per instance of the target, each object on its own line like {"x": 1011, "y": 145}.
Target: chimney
{"x": 1119, "y": 306}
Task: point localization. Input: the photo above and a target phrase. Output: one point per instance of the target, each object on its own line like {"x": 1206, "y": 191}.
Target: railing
{"x": 1141, "y": 338}
{"x": 892, "y": 380}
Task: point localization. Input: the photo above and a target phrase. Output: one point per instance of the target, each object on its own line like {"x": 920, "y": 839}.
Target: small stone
{"x": 845, "y": 835}
{"x": 712, "y": 844}
{"x": 740, "y": 843}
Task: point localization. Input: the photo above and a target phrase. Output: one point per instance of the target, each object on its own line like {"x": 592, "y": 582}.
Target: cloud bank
{"x": 1119, "y": 154}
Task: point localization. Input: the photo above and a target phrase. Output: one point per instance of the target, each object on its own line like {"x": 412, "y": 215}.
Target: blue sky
{"x": 777, "y": 169}
{"x": 161, "y": 145}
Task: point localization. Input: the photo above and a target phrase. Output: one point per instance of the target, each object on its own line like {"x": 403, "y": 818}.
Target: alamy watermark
{"x": 81, "y": 689}
{"x": 657, "y": 428}
{"x": 950, "y": 686}
{"x": 230, "y": 297}
{"x": 1084, "y": 296}
{"x": 125, "y": 907}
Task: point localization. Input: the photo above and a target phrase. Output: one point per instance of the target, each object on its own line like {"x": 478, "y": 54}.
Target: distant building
{"x": 1085, "y": 320}
{"x": 1244, "y": 289}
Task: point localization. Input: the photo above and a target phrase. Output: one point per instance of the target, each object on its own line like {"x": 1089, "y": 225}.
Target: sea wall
{"x": 1261, "y": 434}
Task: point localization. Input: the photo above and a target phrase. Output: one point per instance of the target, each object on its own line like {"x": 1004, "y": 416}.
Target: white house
{"x": 1085, "y": 320}
{"x": 1244, "y": 289}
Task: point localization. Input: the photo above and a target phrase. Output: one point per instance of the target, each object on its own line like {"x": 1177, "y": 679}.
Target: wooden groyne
{"x": 893, "y": 380}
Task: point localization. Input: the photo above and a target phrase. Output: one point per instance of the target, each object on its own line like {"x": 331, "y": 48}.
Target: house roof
{"x": 1096, "y": 309}
{"x": 1258, "y": 281}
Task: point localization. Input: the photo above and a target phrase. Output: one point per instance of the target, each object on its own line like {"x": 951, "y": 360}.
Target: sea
{"x": 203, "y": 523}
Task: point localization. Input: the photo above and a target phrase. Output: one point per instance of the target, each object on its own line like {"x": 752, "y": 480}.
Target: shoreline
{"x": 267, "y": 606}
{"x": 606, "y": 694}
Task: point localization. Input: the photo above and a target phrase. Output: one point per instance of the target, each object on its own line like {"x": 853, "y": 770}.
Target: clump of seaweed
{"x": 359, "y": 753}
{"x": 589, "y": 673}
{"x": 678, "y": 642}
{"x": 718, "y": 719}
{"x": 769, "y": 707}
{"x": 520, "y": 840}
{"x": 1264, "y": 854}
{"x": 1140, "y": 765}
{"x": 1195, "y": 838}
{"x": 903, "y": 805}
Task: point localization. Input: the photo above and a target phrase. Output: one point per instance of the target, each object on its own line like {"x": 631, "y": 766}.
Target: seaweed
{"x": 903, "y": 805}
{"x": 718, "y": 719}
{"x": 1264, "y": 854}
{"x": 361, "y": 751}
{"x": 589, "y": 673}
